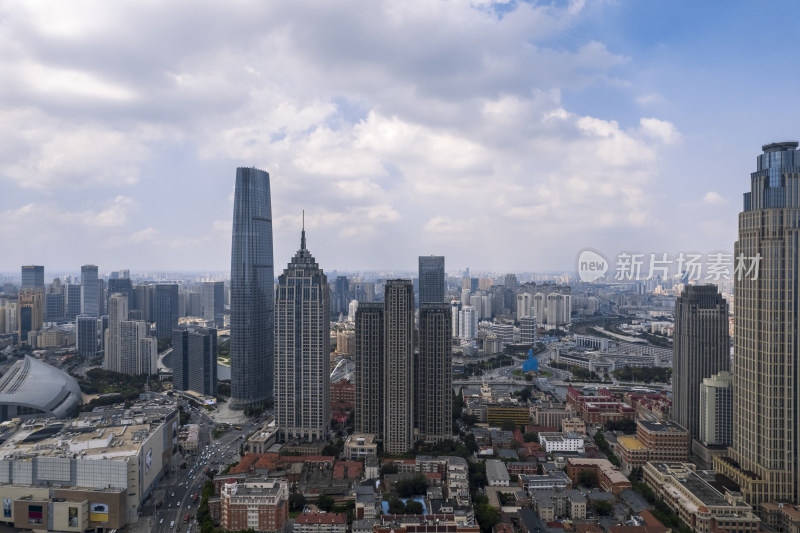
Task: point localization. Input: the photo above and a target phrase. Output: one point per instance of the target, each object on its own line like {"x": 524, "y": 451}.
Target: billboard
{"x": 148, "y": 461}
{"x": 35, "y": 514}
{"x": 98, "y": 512}
{"x": 6, "y": 507}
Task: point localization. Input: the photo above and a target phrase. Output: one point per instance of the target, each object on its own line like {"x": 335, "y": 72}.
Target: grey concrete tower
{"x": 701, "y": 348}
{"x": 302, "y": 350}
{"x": 435, "y": 373}
{"x": 369, "y": 368}
{"x": 252, "y": 291}
{"x": 398, "y": 366}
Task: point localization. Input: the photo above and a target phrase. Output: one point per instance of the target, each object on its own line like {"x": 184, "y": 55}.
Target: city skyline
{"x": 538, "y": 124}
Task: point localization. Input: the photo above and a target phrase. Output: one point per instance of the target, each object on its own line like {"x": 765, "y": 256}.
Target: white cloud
{"x": 661, "y": 130}
{"x": 713, "y": 198}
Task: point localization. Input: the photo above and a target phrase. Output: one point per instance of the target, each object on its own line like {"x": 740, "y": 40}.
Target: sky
{"x": 506, "y": 136}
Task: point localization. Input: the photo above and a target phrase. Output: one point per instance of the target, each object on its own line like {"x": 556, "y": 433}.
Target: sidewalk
{"x": 226, "y": 415}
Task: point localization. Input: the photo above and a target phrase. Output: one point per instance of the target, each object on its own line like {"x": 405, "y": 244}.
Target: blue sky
{"x": 504, "y": 136}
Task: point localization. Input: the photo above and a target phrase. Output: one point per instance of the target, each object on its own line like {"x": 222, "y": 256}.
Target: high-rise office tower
{"x": 30, "y": 312}
{"x": 138, "y": 350}
{"x": 33, "y": 277}
{"x": 431, "y": 279}
{"x": 398, "y": 367}
{"x": 117, "y": 314}
{"x": 455, "y": 314}
{"x": 302, "y": 350}
{"x": 90, "y": 303}
{"x": 434, "y": 390}
{"x": 213, "y": 302}
{"x": 165, "y": 308}
{"x": 72, "y": 305}
{"x": 341, "y": 296}
{"x": 701, "y": 348}
{"x": 468, "y": 323}
{"x": 252, "y": 291}
{"x": 54, "y": 306}
{"x": 194, "y": 360}
{"x": 369, "y": 344}
{"x": 511, "y": 281}
{"x": 101, "y": 297}
{"x": 764, "y": 459}
{"x": 716, "y": 410}
{"x": 86, "y": 330}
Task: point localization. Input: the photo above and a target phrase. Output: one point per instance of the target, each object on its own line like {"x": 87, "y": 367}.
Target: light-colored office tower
{"x": 431, "y": 279}
{"x": 435, "y": 373}
{"x": 351, "y": 311}
{"x": 539, "y": 307}
{"x": 485, "y": 284}
{"x": 527, "y": 330}
{"x": 764, "y": 458}
{"x": 30, "y": 312}
{"x": 117, "y": 314}
{"x": 524, "y": 305}
{"x": 138, "y": 351}
{"x": 455, "y": 313}
{"x": 398, "y": 368}
{"x": 302, "y": 350}
{"x": 90, "y": 299}
{"x": 486, "y": 306}
{"x": 213, "y": 302}
{"x": 252, "y": 291}
{"x": 558, "y": 309}
{"x": 701, "y": 348}
{"x": 466, "y": 297}
{"x": 504, "y": 334}
{"x": 33, "y": 277}
{"x": 468, "y": 323}
{"x": 369, "y": 344}
{"x": 86, "y": 331}
{"x": 11, "y": 317}
{"x": 716, "y": 410}
{"x": 476, "y": 301}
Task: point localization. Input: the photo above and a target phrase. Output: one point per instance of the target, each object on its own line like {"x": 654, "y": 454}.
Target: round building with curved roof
{"x": 32, "y": 387}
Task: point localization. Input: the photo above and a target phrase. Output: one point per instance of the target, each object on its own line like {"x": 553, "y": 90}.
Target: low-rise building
{"x": 366, "y": 504}
{"x": 609, "y": 477}
{"x": 360, "y": 445}
{"x": 550, "y": 480}
{"x": 573, "y": 424}
{"x": 320, "y": 523}
{"x": 189, "y": 437}
{"x": 261, "y": 505}
{"x": 496, "y": 473}
{"x": 561, "y": 442}
{"x": 654, "y": 441}
{"x": 553, "y": 504}
{"x": 498, "y": 413}
{"x": 702, "y": 507}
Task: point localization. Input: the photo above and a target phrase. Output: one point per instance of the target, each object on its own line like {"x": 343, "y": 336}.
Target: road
{"x": 177, "y": 488}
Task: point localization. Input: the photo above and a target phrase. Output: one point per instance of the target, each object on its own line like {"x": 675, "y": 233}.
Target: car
{"x": 162, "y": 521}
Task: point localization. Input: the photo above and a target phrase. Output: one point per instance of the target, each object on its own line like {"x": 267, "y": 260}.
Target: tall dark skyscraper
{"x": 194, "y": 360}
{"x": 341, "y": 296}
{"x": 398, "y": 366}
{"x": 86, "y": 331}
{"x": 143, "y": 301}
{"x": 33, "y": 277}
{"x": 73, "y": 304}
{"x": 369, "y": 368}
{"x": 434, "y": 388}
{"x": 302, "y": 350}
{"x": 166, "y": 309}
{"x": 431, "y": 279}
{"x": 90, "y": 299}
{"x": 122, "y": 286}
{"x": 252, "y": 291}
{"x": 764, "y": 459}
{"x": 701, "y": 348}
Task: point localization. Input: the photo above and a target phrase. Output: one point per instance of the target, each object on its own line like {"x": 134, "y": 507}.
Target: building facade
{"x": 369, "y": 344}
{"x": 431, "y": 279}
{"x": 165, "y": 309}
{"x": 213, "y": 302}
{"x": 117, "y": 314}
{"x": 701, "y": 348}
{"x": 716, "y": 410}
{"x": 252, "y": 319}
{"x": 398, "y": 368}
{"x": 764, "y": 458}
{"x": 90, "y": 299}
{"x": 33, "y": 277}
{"x": 194, "y": 360}
{"x": 302, "y": 350}
{"x": 434, "y": 394}
{"x": 86, "y": 335}
{"x": 260, "y": 505}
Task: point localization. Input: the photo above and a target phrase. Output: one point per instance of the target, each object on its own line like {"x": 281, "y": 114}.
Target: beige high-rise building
{"x": 369, "y": 341}
{"x": 398, "y": 368}
{"x": 30, "y": 312}
{"x": 764, "y": 458}
{"x": 117, "y": 314}
{"x": 435, "y": 373}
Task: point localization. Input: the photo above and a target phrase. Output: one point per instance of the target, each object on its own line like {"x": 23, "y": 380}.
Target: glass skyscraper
{"x": 431, "y": 279}
{"x": 33, "y": 277}
{"x": 252, "y": 291}
{"x": 764, "y": 458}
{"x": 90, "y": 299}
{"x": 166, "y": 309}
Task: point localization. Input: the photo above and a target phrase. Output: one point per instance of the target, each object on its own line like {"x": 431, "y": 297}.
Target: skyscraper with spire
{"x": 252, "y": 291}
{"x": 302, "y": 349}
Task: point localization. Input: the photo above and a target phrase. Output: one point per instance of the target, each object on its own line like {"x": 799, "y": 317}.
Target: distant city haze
{"x": 505, "y": 137}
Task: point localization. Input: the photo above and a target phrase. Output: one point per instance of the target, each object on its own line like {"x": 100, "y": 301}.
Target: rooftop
{"x": 631, "y": 443}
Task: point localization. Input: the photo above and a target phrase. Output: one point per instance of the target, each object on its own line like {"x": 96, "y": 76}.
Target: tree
{"x": 296, "y": 502}
{"x": 411, "y": 486}
{"x": 325, "y": 503}
{"x": 603, "y": 508}
{"x": 396, "y": 506}
{"x": 530, "y": 436}
{"x": 508, "y": 425}
{"x": 389, "y": 468}
{"x": 413, "y": 507}
{"x": 587, "y": 478}
{"x": 525, "y": 394}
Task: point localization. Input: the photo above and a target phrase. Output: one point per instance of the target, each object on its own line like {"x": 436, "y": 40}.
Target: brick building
{"x": 261, "y": 505}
